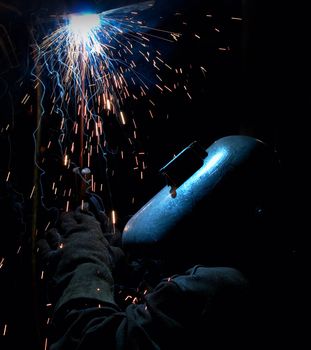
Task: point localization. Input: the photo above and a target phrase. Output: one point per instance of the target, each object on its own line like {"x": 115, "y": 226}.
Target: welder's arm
{"x": 82, "y": 259}
{"x": 86, "y": 317}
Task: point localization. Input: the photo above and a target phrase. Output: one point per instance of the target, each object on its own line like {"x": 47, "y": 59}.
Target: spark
{"x": 167, "y": 88}
{"x": 237, "y": 18}
{"x": 5, "y": 329}
{"x": 113, "y": 217}
{"x": 1, "y": 262}
{"x": 47, "y": 226}
{"x": 66, "y": 160}
{"x": 32, "y": 191}
{"x": 159, "y": 87}
{"x": 204, "y": 71}
{"x": 90, "y": 68}
{"x": 85, "y": 56}
{"x": 122, "y": 118}
{"x": 45, "y": 343}
{"x": 8, "y": 176}
{"x": 25, "y": 99}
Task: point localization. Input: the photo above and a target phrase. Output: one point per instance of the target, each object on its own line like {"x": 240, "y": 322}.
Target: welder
{"x": 209, "y": 301}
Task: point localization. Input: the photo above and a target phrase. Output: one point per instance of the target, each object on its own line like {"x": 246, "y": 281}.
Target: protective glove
{"x": 79, "y": 260}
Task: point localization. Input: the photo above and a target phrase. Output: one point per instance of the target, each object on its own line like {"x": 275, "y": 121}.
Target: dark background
{"x": 250, "y": 89}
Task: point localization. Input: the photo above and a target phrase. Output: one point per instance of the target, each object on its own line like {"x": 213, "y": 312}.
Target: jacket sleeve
{"x": 177, "y": 313}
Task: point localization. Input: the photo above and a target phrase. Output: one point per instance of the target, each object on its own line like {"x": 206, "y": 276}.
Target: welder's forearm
{"x": 88, "y": 281}
{"x": 87, "y": 297}
{"x": 86, "y": 326}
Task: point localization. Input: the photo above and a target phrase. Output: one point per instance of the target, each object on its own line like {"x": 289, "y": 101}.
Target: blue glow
{"x": 83, "y": 25}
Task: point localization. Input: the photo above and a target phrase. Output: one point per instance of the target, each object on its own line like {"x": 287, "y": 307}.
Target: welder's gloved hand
{"x": 79, "y": 259}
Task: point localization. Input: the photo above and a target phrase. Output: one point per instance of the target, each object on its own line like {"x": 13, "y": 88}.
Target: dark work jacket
{"x": 206, "y": 308}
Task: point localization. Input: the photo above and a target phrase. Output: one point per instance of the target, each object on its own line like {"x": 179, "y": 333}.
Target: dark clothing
{"x": 203, "y": 309}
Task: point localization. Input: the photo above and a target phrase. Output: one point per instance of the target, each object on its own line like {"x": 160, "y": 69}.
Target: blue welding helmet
{"x": 214, "y": 207}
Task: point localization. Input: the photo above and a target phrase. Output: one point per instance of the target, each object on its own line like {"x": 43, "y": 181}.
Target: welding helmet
{"x": 217, "y": 215}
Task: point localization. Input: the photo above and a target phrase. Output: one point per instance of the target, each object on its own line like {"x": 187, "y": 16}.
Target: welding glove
{"x": 79, "y": 260}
